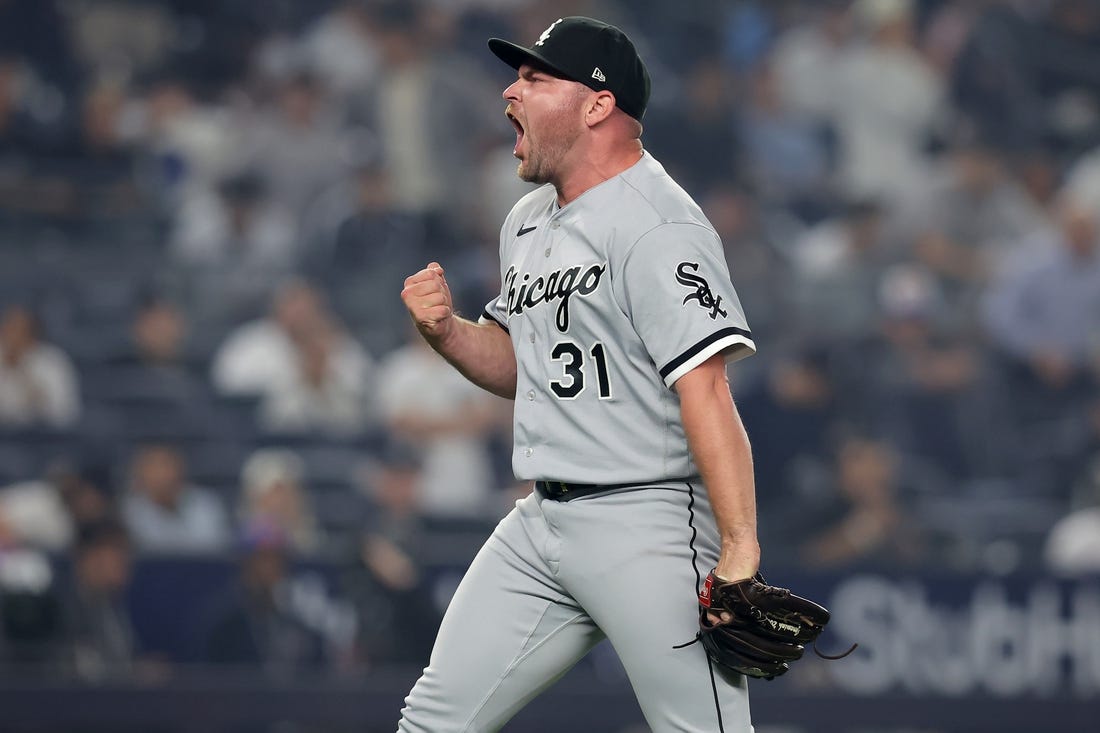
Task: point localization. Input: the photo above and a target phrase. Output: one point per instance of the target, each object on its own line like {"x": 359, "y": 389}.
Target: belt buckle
{"x": 564, "y": 487}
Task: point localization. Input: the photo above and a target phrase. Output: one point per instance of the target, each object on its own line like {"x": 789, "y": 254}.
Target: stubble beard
{"x": 541, "y": 163}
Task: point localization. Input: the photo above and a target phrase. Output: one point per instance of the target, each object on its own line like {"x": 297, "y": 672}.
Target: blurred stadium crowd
{"x": 208, "y": 208}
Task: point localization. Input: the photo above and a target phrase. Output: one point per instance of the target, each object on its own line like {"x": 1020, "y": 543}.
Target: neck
{"x": 593, "y": 169}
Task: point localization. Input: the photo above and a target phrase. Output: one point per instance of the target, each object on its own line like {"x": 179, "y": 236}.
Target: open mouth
{"x": 519, "y": 130}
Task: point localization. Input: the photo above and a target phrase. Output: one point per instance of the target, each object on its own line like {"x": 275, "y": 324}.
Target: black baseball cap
{"x": 587, "y": 51}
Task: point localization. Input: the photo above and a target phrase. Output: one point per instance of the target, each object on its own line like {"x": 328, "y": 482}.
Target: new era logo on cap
{"x": 589, "y": 52}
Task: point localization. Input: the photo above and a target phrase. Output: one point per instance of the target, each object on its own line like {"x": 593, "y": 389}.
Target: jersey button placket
{"x": 554, "y": 226}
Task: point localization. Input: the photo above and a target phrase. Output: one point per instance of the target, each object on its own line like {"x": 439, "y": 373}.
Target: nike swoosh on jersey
{"x": 525, "y": 230}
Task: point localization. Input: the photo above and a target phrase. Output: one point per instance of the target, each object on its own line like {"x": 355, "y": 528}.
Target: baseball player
{"x": 612, "y": 332}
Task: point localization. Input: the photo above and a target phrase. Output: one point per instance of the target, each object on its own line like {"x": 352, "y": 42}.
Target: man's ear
{"x": 600, "y": 106}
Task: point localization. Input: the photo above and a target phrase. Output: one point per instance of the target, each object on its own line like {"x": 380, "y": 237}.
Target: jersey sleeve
{"x": 676, "y": 290}
{"x": 495, "y": 311}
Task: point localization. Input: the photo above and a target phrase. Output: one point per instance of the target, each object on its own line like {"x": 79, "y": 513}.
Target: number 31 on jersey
{"x": 573, "y": 363}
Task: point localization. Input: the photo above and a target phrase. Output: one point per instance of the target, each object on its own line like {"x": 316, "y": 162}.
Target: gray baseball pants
{"x": 556, "y": 578}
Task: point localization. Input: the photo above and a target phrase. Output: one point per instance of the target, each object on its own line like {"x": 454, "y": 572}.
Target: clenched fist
{"x": 428, "y": 299}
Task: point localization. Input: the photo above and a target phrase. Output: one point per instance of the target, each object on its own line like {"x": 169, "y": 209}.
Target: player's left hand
{"x": 739, "y": 559}
{"x": 756, "y": 629}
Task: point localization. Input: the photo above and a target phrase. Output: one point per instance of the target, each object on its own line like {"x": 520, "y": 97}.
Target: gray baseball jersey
{"x": 608, "y": 302}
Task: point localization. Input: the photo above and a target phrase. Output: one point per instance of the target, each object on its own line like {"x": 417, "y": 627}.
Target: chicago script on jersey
{"x": 526, "y": 291}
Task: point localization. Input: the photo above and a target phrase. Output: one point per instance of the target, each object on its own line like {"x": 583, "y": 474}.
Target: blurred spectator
{"x": 30, "y": 611}
{"x": 992, "y": 80}
{"x": 787, "y": 152}
{"x": 233, "y": 243}
{"x": 361, "y": 246}
{"x": 98, "y": 632}
{"x": 696, "y": 136}
{"x": 395, "y": 515}
{"x": 747, "y": 33}
{"x": 422, "y": 95}
{"x": 273, "y": 495}
{"x": 966, "y": 220}
{"x": 156, "y": 369}
{"x": 792, "y": 409}
{"x": 38, "y": 383}
{"x": 237, "y": 227}
{"x": 33, "y": 514}
{"x": 837, "y": 267}
{"x": 24, "y": 131}
{"x": 1067, "y": 75}
{"x": 869, "y": 523}
{"x": 946, "y": 28}
{"x": 1042, "y": 312}
{"x": 1028, "y": 74}
{"x": 192, "y": 145}
{"x": 158, "y": 335}
{"x": 158, "y": 362}
{"x": 913, "y": 379}
{"x": 262, "y": 353}
{"x": 341, "y": 49}
{"x": 1040, "y": 173}
{"x": 148, "y": 381}
{"x": 299, "y": 146}
{"x": 397, "y": 619}
{"x": 308, "y": 372}
{"x": 806, "y": 58}
{"x": 888, "y": 102}
{"x": 88, "y": 490}
{"x": 327, "y": 390}
{"x": 254, "y": 627}
{"x": 97, "y": 176}
{"x": 166, "y": 513}
{"x": 47, "y": 514}
{"x": 427, "y": 403}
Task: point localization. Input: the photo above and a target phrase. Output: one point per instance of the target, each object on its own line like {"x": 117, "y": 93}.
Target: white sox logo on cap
{"x": 546, "y": 33}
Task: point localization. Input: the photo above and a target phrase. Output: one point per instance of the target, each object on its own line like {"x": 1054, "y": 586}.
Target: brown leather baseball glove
{"x": 764, "y": 628}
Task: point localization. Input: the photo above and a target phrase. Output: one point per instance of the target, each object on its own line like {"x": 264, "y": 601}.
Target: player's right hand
{"x": 428, "y": 299}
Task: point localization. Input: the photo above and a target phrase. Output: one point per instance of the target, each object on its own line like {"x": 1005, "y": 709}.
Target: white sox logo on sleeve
{"x": 557, "y": 285}
{"x": 685, "y": 275}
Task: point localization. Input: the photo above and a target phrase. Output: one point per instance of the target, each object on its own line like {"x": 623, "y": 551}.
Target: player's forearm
{"x": 720, "y": 446}
{"x": 481, "y": 352}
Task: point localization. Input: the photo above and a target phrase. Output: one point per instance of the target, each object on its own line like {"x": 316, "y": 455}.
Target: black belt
{"x": 567, "y": 491}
